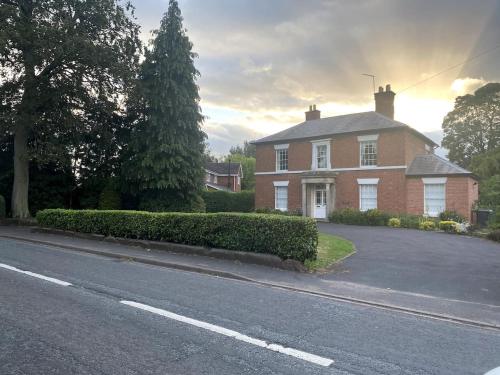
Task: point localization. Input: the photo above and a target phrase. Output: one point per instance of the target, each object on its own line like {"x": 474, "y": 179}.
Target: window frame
{"x": 279, "y": 150}
{"x": 434, "y": 182}
{"x": 362, "y": 183}
{"x": 280, "y": 186}
{"x": 364, "y": 140}
{"x": 315, "y": 145}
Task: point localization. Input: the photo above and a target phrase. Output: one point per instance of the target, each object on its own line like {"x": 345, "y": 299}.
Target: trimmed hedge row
{"x": 284, "y": 236}
{"x": 223, "y": 201}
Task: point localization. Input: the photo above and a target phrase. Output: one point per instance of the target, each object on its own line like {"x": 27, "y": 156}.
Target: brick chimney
{"x": 313, "y": 113}
{"x": 384, "y": 101}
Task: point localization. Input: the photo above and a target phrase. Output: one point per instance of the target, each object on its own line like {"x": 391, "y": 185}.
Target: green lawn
{"x": 330, "y": 250}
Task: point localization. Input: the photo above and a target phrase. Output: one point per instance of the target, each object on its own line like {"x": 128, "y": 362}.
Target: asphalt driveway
{"x": 438, "y": 264}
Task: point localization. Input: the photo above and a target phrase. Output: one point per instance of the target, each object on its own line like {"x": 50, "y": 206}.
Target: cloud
{"x": 264, "y": 62}
{"x": 467, "y": 85}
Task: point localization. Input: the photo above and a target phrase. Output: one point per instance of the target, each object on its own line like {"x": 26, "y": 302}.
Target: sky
{"x": 263, "y": 62}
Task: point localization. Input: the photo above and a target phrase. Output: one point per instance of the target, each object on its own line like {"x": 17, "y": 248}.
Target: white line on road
{"x": 236, "y": 335}
{"x": 46, "y": 278}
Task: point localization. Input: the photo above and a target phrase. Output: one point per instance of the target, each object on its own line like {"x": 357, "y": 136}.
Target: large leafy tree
{"x": 473, "y": 127}
{"x": 167, "y": 143}
{"x": 64, "y": 68}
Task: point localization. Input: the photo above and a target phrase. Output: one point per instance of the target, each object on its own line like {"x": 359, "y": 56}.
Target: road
{"x": 206, "y": 325}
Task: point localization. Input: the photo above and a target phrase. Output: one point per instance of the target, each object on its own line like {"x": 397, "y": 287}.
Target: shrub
{"x": 451, "y": 216}
{"x": 448, "y": 226}
{"x": 355, "y": 217}
{"x": 494, "y": 235}
{"x": 287, "y": 237}
{"x": 2, "y": 207}
{"x": 410, "y": 221}
{"x": 273, "y": 211}
{"x": 376, "y": 217}
{"x": 348, "y": 216}
{"x": 394, "y": 222}
{"x": 223, "y": 201}
{"x": 427, "y": 225}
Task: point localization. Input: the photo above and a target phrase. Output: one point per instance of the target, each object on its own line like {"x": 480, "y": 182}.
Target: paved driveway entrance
{"x": 438, "y": 264}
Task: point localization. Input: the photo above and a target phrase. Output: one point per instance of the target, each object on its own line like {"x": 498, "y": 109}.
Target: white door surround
{"x": 319, "y": 201}
{"x": 318, "y": 194}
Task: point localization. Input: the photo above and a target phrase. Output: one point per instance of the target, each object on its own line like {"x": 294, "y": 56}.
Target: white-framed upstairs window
{"x": 368, "y": 150}
{"x": 368, "y": 193}
{"x": 434, "y": 196}
{"x": 281, "y": 195}
{"x": 321, "y": 154}
{"x": 281, "y": 158}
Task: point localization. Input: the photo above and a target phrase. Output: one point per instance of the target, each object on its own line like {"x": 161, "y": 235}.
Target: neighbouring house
{"x": 361, "y": 160}
{"x": 223, "y": 176}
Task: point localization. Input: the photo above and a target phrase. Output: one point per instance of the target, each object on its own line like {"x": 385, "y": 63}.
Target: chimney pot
{"x": 313, "y": 113}
{"x": 384, "y": 101}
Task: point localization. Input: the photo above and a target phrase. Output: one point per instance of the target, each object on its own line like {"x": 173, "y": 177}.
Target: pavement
{"x": 202, "y": 324}
{"x": 324, "y": 285}
{"x": 431, "y": 263}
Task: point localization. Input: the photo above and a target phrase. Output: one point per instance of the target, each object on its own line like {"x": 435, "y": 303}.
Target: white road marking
{"x": 322, "y": 361}
{"x": 46, "y": 278}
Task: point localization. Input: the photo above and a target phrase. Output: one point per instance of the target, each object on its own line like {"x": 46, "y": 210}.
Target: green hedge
{"x": 284, "y": 236}
{"x": 2, "y": 207}
{"x": 355, "y": 217}
{"x": 223, "y": 201}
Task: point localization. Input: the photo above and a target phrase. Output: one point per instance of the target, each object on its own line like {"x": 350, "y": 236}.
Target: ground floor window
{"x": 281, "y": 198}
{"x": 434, "y": 199}
{"x": 367, "y": 197}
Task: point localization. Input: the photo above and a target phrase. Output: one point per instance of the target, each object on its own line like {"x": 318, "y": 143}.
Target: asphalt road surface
{"x": 119, "y": 317}
{"x": 437, "y": 264}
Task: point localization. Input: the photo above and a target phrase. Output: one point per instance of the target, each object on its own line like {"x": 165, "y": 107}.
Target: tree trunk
{"x": 19, "y": 205}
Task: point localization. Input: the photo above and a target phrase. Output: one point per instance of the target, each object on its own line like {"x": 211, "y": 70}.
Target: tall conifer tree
{"x": 167, "y": 145}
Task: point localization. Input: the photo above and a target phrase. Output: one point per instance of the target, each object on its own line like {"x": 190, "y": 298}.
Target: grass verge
{"x": 330, "y": 250}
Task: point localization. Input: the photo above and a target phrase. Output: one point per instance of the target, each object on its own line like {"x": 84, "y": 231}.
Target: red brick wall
{"x": 264, "y": 190}
{"x": 391, "y": 194}
{"x": 461, "y": 193}
{"x": 413, "y": 146}
{"x": 222, "y": 181}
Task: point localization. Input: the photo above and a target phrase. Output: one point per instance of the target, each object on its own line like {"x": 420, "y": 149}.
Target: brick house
{"x": 361, "y": 160}
{"x": 223, "y": 176}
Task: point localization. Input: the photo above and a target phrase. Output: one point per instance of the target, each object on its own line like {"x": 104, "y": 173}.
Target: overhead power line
{"x": 452, "y": 67}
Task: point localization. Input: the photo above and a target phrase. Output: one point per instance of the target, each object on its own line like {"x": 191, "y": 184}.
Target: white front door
{"x": 320, "y": 202}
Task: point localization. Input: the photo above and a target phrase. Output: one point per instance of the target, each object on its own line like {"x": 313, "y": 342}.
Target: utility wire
{"x": 452, "y": 67}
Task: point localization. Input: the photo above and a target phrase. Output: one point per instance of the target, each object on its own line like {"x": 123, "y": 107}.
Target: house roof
{"x": 216, "y": 186}
{"x": 223, "y": 168}
{"x": 433, "y": 165}
{"x": 351, "y": 123}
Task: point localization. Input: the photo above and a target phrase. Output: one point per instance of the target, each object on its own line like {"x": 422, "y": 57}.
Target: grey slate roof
{"x": 223, "y": 168}
{"x": 433, "y": 165}
{"x": 355, "y": 122}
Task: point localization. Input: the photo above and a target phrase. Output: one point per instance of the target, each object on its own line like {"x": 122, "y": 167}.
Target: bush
{"x": 2, "y": 207}
{"x": 287, "y": 237}
{"x": 355, "y": 217}
{"x": 494, "y": 235}
{"x": 272, "y": 211}
{"x": 448, "y": 226}
{"x": 451, "y": 216}
{"x": 394, "y": 222}
{"x": 427, "y": 225}
{"x": 410, "y": 221}
{"x": 223, "y": 201}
